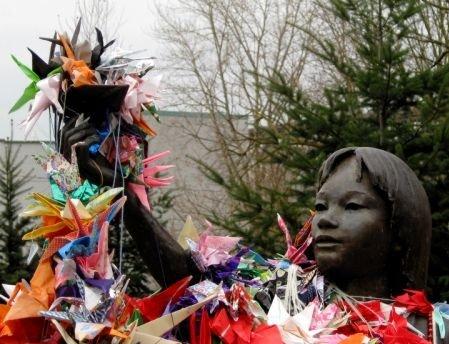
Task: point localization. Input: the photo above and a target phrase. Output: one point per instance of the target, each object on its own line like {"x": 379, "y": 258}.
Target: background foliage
{"x": 13, "y": 184}
{"x": 378, "y": 76}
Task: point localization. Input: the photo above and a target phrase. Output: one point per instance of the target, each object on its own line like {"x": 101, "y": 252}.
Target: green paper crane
{"x": 30, "y": 91}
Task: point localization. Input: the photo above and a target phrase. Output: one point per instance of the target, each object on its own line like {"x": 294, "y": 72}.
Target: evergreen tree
{"x": 378, "y": 99}
{"x": 13, "y": 180}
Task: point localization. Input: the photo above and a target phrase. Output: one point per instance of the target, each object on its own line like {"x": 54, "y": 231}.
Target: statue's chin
{"x": 352, "y": 277}
{"x": 331, "y": 272}
{"x": 333, "y": 266}
{"x": 329, "y": 260}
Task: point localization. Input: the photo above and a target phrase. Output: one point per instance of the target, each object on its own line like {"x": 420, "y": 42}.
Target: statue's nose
{"x": 327, "y": 221}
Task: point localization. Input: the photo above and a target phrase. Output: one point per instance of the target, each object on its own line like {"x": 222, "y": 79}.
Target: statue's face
{"x": 351, "y": 226}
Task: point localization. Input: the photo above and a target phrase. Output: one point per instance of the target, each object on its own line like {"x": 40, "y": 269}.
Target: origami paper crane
{"x": 149, "y": 178}
{"x": 60, "y": 171}
{"x": 60, "y": 239}
{"x": 151, "y": 332}
{"x": 123, "y": 62}
{"x": 42, "y": 68}
{"x": 188, "y": 232}
{"x": 215, "y": 249}
{"x": 46, "y": 96}
{"x": 90, "y": 313}
{"x": 208, "y": 249}
{"x": 397, "y": 332}
{"x": 92, "y": 306}
{"x": 60, "y": 219}
{"x": 33, "y": 88}
{"x": 415, "y": 301}
{"x": 306, "y": 326}
{"x": 441, "y": 315}
{"x": 296, "y": 254}
{"x": 204, "y": 336}
{"x": 154, "y": 306}
{"x": 44, "y": 92}
{"x": 97, "y": 263}
{"x": 242, "y": 330}
{"x": 79, "y": 72}
{"x": 126, "y": 150}
{"x": 150, "y": 171}
{"x": 141, "y": 93}
{"x": 24, "y": 304}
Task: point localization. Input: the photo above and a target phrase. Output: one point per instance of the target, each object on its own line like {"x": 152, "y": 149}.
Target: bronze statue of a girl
{"x": 372, "y": 225}
{"x": 371, "y": 230}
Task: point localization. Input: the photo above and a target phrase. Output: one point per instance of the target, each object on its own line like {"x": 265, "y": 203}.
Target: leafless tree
{"x": 101, "y": 14}
{"x": 218, "y": 53}
{"x": 430, "y": 42}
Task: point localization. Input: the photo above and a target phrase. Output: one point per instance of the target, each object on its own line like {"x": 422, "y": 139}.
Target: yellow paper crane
{"x": 57, "y": 217}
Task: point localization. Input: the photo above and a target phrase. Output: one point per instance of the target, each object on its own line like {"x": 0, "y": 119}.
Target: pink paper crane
{"x": 150, "y": 179}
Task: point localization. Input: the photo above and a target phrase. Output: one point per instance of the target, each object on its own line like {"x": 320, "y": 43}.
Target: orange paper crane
{"x": 79, "y": 71}
{"x": 20, "y": 321}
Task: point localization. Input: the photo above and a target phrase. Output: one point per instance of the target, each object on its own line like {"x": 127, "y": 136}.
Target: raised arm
{"x": 166, "y": 260}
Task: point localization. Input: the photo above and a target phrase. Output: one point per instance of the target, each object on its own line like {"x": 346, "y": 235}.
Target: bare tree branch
{"x": 221, "y": 52}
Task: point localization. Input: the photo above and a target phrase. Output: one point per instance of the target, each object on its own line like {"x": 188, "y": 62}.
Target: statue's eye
{"x": 320, "y": 207}
{"x": 353, "y": 206}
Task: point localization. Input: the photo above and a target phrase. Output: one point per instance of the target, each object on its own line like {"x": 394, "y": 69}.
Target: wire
{"x": 59, "y": 138}
{"x": 116, "y": 139}
{"x": 121, "y": 225}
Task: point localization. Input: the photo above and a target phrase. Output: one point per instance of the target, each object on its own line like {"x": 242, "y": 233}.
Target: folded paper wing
{"x": 149, "y": 339}
{"x": 153, "y": 306}
{"x": 189, "y": 231}
{"x": 162, "y": 325}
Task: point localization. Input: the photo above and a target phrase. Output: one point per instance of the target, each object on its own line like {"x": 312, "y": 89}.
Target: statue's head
{"x": 373, "y": 220}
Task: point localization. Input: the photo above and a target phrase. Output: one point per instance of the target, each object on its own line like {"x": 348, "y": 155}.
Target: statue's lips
{"x": 326, "y": 241}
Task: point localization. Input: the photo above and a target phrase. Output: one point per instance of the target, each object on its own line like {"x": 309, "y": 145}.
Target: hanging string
{"x": 118, "y": 167}
{"x": 116, "y": 138}
{"x": 59, "y": 139}
{"x": 121, "y": 225}
{"x": 50, "y": 141}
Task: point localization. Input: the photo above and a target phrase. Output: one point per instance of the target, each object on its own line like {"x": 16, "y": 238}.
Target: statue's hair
{"x": 410, "y": 218}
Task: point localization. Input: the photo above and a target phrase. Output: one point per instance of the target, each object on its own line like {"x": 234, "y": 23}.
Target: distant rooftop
{"x": 167, "y": 113}
{"x": 162, "y": 113}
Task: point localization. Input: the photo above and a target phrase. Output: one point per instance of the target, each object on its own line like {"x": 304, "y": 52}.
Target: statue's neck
{"x": 374, "y": 286}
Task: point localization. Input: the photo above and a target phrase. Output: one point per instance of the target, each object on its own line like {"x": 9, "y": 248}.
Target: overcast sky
{"x": 23, "y": 21}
